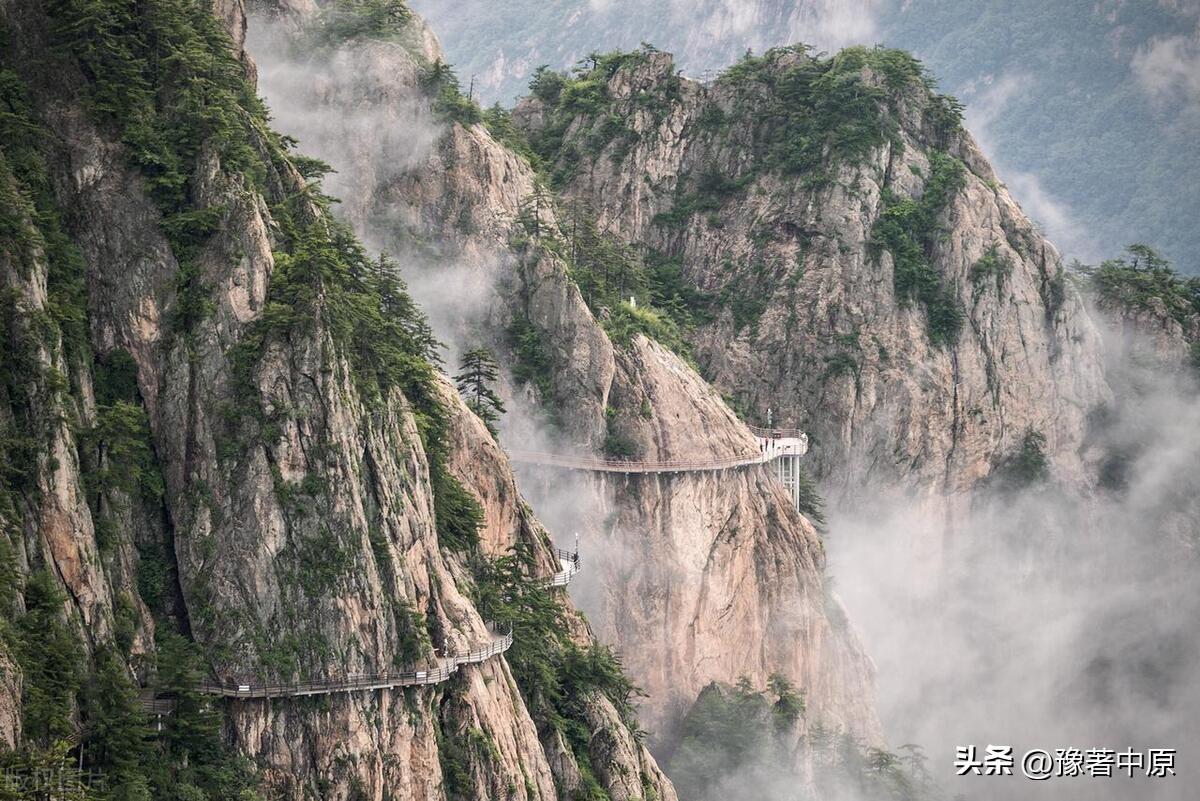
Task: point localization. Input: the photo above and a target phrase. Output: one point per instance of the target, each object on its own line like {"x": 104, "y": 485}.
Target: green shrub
{"x": 712, "y": 118}
{"x": 1027, "y": 467}
{"x": 163, "y": 72}
{"x": 582, "y": 94}
{"x": 1141, "y": 280}
{"x": 26, "y": 192}
{"x": 343, "y": 21}
{"x": 617, "y": 443}
{"x": 810, "y": 503}
{"x": 908, "y": 230}
{"x": 500, "y": 125}
{"x": 820, "y": 106}
{"x": 532, "y": 363}
{"x": 458, "y": 515}
{"x": 547, "y": 85}
{"x": 992, "y": 266}
{"x": 556, "y": 676}
{"x": 120, "y": 452}
{"x": 116, "y": 727}
{"x": 50, "y": 653}
{"x": 190, "y": 758}
{"x": 729, "y": 731}
{"x": 713, "y": 189}
{"x": 609, "y": 273}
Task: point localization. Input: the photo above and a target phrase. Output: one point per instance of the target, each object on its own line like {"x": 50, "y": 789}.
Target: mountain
{"x": 859, "y": 270}
{"x": 358, "y": 442}
{"x": 828, "y": 242}
{"x": 1055, "y": 91}
{"x": 229, "y": 457}
{"x": 820, "y": 237}
{"x": 677, "y": 560}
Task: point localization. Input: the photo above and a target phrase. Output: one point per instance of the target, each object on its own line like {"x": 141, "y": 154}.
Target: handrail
{"x": 571, "y": 563}
{"x": 776, "y": 433}
{"x": 352, "y": 682}
{"x": 596, "y": 465}
{"x": 772, "y": 445}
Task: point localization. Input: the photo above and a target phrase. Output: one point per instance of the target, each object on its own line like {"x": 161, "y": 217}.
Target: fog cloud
{"x": 1168, "y": 69}
{"x": 986, "y": 104}
{"x": 703, "y": 35}
{"x": 1064, "y": 617}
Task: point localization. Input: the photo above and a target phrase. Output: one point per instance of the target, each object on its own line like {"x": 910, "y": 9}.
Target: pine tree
{"x": 192, "y": 762}
{"x": 789, "y": 704}
{"x": 535, "y": 210}
{"x": 477, "y": 373}
{"x": 51, "y": 657}
{"x": 116, "y": 728}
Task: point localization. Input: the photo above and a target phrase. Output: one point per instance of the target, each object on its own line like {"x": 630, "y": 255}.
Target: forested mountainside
{"x": 234, "y": 470}
{"x": 227, "y": 454}
{"x": 827, "y": 241}
{"x": 750, "y": 226}
{"x": 1055, "y": 91}
{"x": 675, "y": 563}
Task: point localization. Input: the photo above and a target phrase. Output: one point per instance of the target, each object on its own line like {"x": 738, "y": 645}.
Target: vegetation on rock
{"x": 909, "y": 230}
{"x": 478, "y": 372}
{"x": 1142, "y": 280}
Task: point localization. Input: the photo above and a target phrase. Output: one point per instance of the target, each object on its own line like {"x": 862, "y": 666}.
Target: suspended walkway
{"x": 570, "y": 566}
{"x": 440, "y": 670}
{"x": 779, "y": 447}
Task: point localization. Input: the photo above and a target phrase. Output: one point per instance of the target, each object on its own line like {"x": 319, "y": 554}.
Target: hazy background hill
{"x": 1089, "y": 108}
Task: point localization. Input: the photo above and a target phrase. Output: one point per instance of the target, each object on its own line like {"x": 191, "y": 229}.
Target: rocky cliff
{"x": 836, "y": 253}
{"x": 674, "y": 562}
{"x": 227, "y": 452}
{"x": 859, "y": 269}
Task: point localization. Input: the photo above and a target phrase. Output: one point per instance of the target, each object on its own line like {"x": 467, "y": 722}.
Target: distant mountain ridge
{"x": 1055, "y": 93}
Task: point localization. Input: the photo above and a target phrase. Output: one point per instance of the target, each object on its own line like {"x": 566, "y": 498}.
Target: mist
{"x": 1168, "y": 69}
{"x": 1055, "y": 617}
{"x": 703, "y": 36}
{"x": 1062, "y": 616}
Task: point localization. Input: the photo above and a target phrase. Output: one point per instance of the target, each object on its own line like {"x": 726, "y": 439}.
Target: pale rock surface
{"x": 459, "y": 194}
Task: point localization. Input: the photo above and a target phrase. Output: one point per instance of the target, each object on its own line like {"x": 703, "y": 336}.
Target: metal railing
{"x": 776, "y": 433}
{"x": 597, "y": 465}
{"x": 354, "y": 682}
{"x": 770, "y": 440}
{"x": 570, "y": 563}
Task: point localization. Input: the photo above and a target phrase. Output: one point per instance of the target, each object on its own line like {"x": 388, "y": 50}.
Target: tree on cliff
{"x": 477, "y": 373}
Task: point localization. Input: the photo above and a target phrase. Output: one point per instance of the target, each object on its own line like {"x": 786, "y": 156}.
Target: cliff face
{"x": 1048, "y": 98}
{"x": 848, "y": 261}
{"x": 875, "y": 286}
{"x": 205, "y": 442}
{"x": 673, "y": 563}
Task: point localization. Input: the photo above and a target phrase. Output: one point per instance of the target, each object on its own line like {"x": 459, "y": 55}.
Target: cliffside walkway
{"x": 773, "y": 444}
{"x": 570, "y": 566}
{"x": 441, "y": 670}
{"x": 781, "y": 447}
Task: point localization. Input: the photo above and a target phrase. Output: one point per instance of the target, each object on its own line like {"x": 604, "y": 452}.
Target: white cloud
{"x": 1168, "y": 69}
{"x": 987, "y": 104}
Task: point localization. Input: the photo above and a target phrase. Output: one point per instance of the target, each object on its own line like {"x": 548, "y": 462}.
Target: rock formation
{"x": 710, "y": 550}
